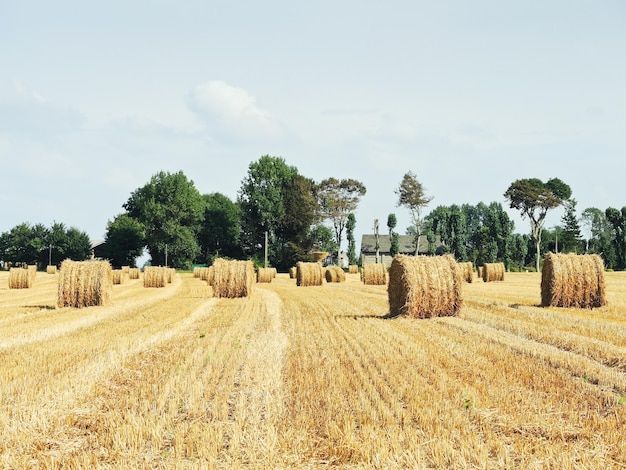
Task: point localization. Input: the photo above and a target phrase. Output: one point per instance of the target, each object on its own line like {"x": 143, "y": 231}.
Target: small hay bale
{"x": 334, "y": 274}
{"x": 374, "y": 274}
{"x": 309, "y": 274}
{"x": 84, "y": 284}
{"x": 125, "y": 269}
{"x": 232, "y": 278}
{"x": 570, "y": 280}
{"x": 154, "y": 276}
{"x": 467, "y": 271}
{"x": 118, "y": 276}
{"x": 493, "y": 272}
{"x": 353, "y": 269}
{"x": 210, "y": 275}
{"x": 265, "y": 275}
{"x": 20, "y": 278}
{"x": 133, "y": 273}
{"x": 425, "y": 286}
{"x": 169, "y": 274}
{"x": 274, "y": 272}
{"x": 319, "y": 256}
{"x": 32, "y": 269}
{"x": 292, "y": 272}
{"x": 51, "y": 269}
{"x": 197, "y": 272}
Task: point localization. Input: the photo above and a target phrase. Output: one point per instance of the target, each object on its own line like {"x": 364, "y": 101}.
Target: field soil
{"x": 310, "y": 377}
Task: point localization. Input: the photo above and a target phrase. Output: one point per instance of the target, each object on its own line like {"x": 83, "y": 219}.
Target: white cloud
{"x": 233, "y": 110}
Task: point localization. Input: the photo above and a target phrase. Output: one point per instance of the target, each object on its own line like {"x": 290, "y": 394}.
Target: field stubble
{"x": 307, "y": 377}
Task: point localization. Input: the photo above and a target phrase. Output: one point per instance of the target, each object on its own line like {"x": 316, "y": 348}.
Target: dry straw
{"x": 169, "y": 274}
{"x": 353, "y": 269}
{"x": 265, "y": 275}
{"x": 493, "y": 272}
{"x": 155, "y": 276}
{"x": 232, "y": 278}
{"x": 467, "y": 271}
{"x": 32, "y": 269}
{"x": 335, "y": 274}
{"x": 374, "y": 274}
{"x": 133, "y": 273}
{"x": 309, "y": 274}
{"x": 425, "y": 286}
{"x": 51, "y": 269}
{"x": 118, "y": 276}
{"x": 570, "y": 280}
{"x": 319, "y": 256}
{"x": 20, "y": 278}
{"x": 292, "y": 272}
{"x": 84, "y": 284}
{"x": 125, "y": 269}
{"x": 197, "y": 272}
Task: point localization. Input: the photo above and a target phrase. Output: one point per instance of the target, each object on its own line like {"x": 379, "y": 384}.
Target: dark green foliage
{"x": 617, "y": 219}
{"x": 570, "y": 238}
{"x": 219, "y": 234}
{"x": 350, "y": 226}
{"x": 125, "y": 239}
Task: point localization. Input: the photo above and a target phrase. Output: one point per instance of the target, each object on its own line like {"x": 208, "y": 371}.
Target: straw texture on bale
{"x": 125, "y": 269}
{"x": 353, "y": 269}
{"x": 118, "y": 276}
{"x": 319, "y": 256}
{"x": 292, "y": 272}
{"x": 334, "y": 274}
{"x": 425, "y": 286}
{"x": 169, "y": 275}
{"x": 232, "y": 278}
{"x": 51, "y": 269}
{"x": 374, "y": 274}
{"x": 155, "y": 276}
{"x": 467, "y": 271}
{"x": 265, "y": 275}
{"x": 309, "y": 274}
{"x": 84, "y": 284}
{"x": 197, "y": 272}
{"x": 20, "y": 278}
{"x": 493, "y": 272}
{"x": 133, "y": 273}
{"x": 570, "y": 280}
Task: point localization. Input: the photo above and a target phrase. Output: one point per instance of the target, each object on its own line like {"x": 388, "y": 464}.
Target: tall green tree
{"x": 534, "y": 198}
{"x": 617, "y": 219}
{"x": 124, "y": 241}
{"x": 394, "y": 238}
{"x": 322, "y": 238}
{"x": 220, "y": 232}
{"x": 412, "y": 195}
{"x": 570, "y": 237}
{"x": 171, "y": 210}
{"x": 337, "y": 200}
{"x": 350, "y": 226}
{"x": 599, "y": 233}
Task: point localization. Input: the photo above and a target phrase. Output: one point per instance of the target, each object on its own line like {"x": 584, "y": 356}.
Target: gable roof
{"x": 406, "y": 244}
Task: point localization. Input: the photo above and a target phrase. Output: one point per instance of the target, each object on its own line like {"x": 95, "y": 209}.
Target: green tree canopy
{"x": 412, "y": 195}
{"x": 171, "y": 210}
{"x": 219, "y": 235}
{"x": 125, "y": 239}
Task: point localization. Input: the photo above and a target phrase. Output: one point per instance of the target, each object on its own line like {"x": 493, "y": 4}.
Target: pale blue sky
{"x": 96, "y": 97}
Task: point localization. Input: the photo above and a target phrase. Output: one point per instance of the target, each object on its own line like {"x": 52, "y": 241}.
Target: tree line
{"x": 179, "y": 226}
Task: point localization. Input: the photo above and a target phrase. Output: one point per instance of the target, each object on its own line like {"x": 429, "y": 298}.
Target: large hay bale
{"x": 118, "y": 276}
{"x": 493, "y": 272}
{"x": 374, "y": 274}
{"x": 20, "y": 278}
{"x": 232, "y": 278}
{"x": 353, "y": 269}
{"x": 570, "y": 280}
{"x": 425, "y": 286}
{"x": 51, "y": 269}
{"x": 292, "y": 272}
{"x": 309, "y": 274}
{"x": 154, "y": 276}
{"x": 133, "y": 273}
{"x": 265, "y": 275}
{"x": 210, "y": 275}
{"x": 467, "y": 271}
{"x": 84, "y": 284}
{"x": 334, "y": 274}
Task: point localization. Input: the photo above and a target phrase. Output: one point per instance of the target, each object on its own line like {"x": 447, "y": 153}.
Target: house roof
{"x": 406, "y": 244}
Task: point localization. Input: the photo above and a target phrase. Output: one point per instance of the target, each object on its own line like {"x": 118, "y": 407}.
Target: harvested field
{"x": 310, "y": 378}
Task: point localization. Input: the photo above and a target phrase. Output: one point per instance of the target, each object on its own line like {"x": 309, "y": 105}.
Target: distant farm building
{"x": 406, "y": 246}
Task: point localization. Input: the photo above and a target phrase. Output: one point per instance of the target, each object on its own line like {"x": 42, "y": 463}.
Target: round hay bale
{"x": 232, "y": 278}
{"x": 274, "y": 272}
{"x": 169, "y": 274}
{"x": 319, "y": 256}
{"x": 197, "y": 270}
{"x": 374, "y": 274}
{"x": 425, "y": 286}
{"x": 493, "y": 272}
{"x": 118, "y": 276}
{"x": 154, "y": 276}
{"x": 84, "y": 284}
{"x": 51, "y": 269}
{"x": 133, "y": 273}
{"x": 467, "y": 271}
{"x": 125, "y": 269}
{"x": 353, "y": 269}
{"x": 265, "y": 275}
{"x": 570, "y": 280}
{"x": 292, "y": 272}
{"x": 20, "y": 278}
{"x": 309, "y": 274}
{"x": 334, "y": 274}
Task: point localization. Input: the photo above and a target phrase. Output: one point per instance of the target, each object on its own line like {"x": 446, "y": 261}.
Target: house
{"x": 406, "y": 246}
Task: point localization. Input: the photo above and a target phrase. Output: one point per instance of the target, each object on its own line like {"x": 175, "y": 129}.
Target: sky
{"x": 97, "y": 97}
